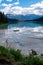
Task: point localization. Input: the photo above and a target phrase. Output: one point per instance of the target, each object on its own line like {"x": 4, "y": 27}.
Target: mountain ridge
{"x": 23, "y": 17}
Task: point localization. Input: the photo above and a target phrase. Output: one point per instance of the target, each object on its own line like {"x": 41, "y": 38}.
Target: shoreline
{"x": 25, "y": 48}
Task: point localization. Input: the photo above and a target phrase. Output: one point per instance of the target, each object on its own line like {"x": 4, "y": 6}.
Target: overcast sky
{"x": 22, "y": 7}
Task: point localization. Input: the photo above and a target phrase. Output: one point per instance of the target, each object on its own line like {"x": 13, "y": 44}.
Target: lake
{"x": 22, "y": 35}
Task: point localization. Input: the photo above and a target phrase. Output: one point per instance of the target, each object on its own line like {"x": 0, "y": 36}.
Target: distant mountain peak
{"x": 23, "y": 17}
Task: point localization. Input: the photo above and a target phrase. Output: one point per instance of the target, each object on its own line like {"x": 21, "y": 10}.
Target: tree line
{"x": 3, "y": 18}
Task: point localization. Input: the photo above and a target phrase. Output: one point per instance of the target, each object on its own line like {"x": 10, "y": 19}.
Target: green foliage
{"x": 33, "y": 60}
{"x": 37, "y": 61}
{"x": 19, "y": 58}
{"x": 41, "y": 54}
{"x": 17, "y": 54}
{"x": 3, "y": 50}
{"x": 30, "y": 60}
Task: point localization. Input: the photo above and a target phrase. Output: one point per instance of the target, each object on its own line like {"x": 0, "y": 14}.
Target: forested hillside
{"x": 3, "y": 18}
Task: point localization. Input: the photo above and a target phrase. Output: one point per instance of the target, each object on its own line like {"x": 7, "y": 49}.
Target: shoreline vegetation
{"x": 14, "y": 57}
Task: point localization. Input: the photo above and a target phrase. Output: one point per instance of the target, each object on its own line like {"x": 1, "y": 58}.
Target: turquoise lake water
{"x": 23, "y": 35}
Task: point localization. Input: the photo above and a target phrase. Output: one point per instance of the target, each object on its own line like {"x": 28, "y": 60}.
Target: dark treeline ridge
{"x": 3, "y": 18}
{"x": 39, "y": 19}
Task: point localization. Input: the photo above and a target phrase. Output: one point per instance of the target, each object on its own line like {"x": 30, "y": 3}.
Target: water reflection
{"x": 23, "y": 35}
{"x": 39, "y": 22}
{"x": 24, "y": 24}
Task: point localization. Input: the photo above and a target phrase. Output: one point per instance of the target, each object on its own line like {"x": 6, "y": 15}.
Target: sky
{"x": 21, "y": 7}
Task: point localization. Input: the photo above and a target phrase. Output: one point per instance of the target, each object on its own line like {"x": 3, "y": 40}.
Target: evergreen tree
{"x": 3, "y": 18}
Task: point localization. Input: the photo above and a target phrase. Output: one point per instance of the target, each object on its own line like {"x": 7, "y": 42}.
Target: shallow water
{"x": 24, "y": 36}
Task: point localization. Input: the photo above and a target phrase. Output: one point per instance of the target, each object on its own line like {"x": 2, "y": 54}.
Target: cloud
{"x": 6, "y": 8}
{"x": 18, "y": 10}
{"x": 9, "y": 0}
{"x": 37, "y": 8}
{"x": 0, "y": 1}
{"x": 16, "y": 3}
{"x": 40, "y": 4}
{"x": 6, "y": 5}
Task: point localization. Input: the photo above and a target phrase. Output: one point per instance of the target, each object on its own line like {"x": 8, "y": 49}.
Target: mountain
{"x": 23, "y": 17}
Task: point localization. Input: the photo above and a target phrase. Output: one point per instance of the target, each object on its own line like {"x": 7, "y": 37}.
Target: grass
{"x": 19, "y": 59}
